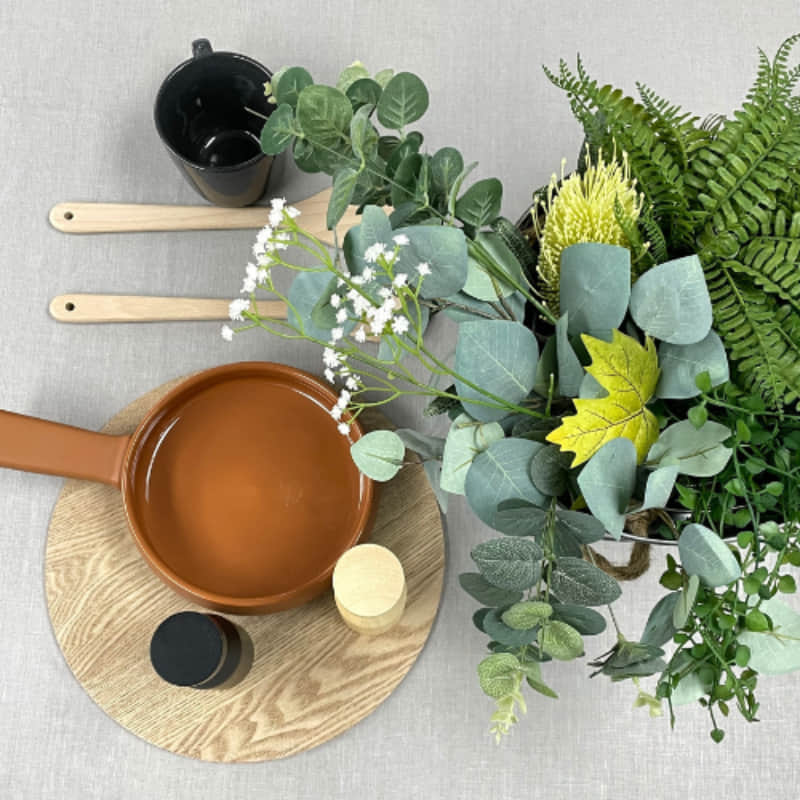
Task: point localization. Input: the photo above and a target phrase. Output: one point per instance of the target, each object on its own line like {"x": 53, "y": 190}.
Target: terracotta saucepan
{"x": 238, "y": 488}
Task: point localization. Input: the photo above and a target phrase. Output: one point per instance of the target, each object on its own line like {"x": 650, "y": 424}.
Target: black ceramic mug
{"x": 201, "y": 116}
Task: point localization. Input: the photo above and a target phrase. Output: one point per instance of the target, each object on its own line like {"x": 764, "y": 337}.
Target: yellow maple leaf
{"x": 629, "y": 373}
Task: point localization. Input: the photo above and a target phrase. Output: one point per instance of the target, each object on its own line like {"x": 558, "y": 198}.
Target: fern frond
{"x": 757, "y": 336}
{"x": 675, "y": 127}
{"x": 658, "y": 242}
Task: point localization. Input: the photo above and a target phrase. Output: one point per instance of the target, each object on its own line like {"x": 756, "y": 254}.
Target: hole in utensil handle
{"x": 69, "y": 306}
{"x": 68, "y": 215}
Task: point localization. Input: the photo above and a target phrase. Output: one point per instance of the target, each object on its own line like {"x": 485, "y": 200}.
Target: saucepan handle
{"x": 37, "y": 445}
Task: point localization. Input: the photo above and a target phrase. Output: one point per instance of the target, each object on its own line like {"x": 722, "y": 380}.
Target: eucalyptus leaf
{"x": 364, "y": 92}
{"x": 581, "y": 583}
{"x": 363, "y": 136}
{"x": 494, "y": 353}
{"x": 344, "y": 184}
{"x": 324, "y": 114}
{"x": 595, "y": 287}
{"x": 776, "y": 651}
{"x": 570, "y": 371}
{"x": 546, "y": 369}
{"x": 508, "y": 563}
{"x": 374, "y": 228}
{"x": 681, "y": 364}
{"x": 278, "y": 130}
{"x": 704, "y": 554}
{"x": 378, "y": 454}
{"x": 475, "y": 585}
{"x": 533, "y": 675}
{"x": 583, "y": 527}
{"x": 686, "y": 598}
{"x": 671, "y": 302}
{"x": 690, "y": 689}
{"x": 383, "y": 77}
{"x": 404, "y": 100}
{"x": 591, "y": 388}
{"x": 465, "y": 440}
{"x": 526, "y": 615}
{"x": 305, "y": 292}
{"x": 607, "y": 482}
{"x": 288, "y": 83}
{"x": 433, "y": 471}
{"x": 446, "y": 166}
{"x": 443, "y": 249}
{"x": 658, "y": 489}
{"x": 585, "y": 620}
{"x": 495, "y": 628}
{"x": 349, "y": 75}
{"x": 480, "y": 204}
{"x": 427, "y": 447}
{"x": 548, "y": 471}
{"x": 694, "y": 451}
{"x": 560, "y": 640}
{"x": 497, "y": 674}
{"x": 490, "y": 287}
{"x": 501, "y": 473}
{"x": 407, "y": 147}
{"x": 404, "y": 181}
{"x": 456, "y": 187}
{"x": 465, "y": 308}
{"x": 519, "y": 519}
{"x": 659, "y": 628}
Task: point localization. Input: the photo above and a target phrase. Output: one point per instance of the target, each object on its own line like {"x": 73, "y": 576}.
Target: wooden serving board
{"x": 312, "y": 678}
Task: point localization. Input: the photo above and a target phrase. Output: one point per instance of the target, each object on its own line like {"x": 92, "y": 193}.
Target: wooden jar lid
{"x": 369, "y": 587}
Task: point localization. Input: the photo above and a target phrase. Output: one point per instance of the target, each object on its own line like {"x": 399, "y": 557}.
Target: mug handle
{"x": 201, "y": 48}
{"x": 37, "y": 445}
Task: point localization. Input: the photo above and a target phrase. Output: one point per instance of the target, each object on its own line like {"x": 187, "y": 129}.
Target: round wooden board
{"x": 312, "y": 678}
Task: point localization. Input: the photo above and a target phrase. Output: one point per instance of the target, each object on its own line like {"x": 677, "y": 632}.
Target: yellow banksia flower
{"x": 582, "y": 210}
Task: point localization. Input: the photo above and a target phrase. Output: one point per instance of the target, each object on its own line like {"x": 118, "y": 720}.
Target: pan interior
{"x": 244, "y": 487}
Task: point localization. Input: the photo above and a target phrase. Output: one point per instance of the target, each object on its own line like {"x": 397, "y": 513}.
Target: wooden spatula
{"x": 134, "y": 217}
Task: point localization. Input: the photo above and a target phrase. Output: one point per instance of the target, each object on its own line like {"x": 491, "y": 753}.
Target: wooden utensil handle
{"x": 135, "y": 308}
{"x": 38, "y": 445}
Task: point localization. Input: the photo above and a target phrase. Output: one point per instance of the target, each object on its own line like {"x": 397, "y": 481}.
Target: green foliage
{"x": 726, "y": 189}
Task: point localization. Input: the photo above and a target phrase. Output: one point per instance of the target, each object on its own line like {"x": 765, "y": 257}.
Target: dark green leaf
{"x": 324, "y": 115}
{"x": 508, "y": 563}
{"x": 581, "y": 583}
{"x": 278, "y": 130}
{"x": 474, "y": 584}
{"x": 494, "y": 626}
{"x": 344, "y": 183}
{"x": 480, "y": 204}
{"x": 547, "y": 471}
{"x": 287, "y": 85}
{"x": 585, "y": 620}
{"x": 659, "y": 628}
{"x": 363, "y": 92}
{"x": 446, "y": 166}
{"x": 404, "y": 100}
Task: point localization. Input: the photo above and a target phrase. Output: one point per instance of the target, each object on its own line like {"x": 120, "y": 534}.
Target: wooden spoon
{"x": 134, "y": 217}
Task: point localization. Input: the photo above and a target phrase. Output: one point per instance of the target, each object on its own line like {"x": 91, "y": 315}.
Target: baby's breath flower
{"x": 360, "y": 335}
{"x": 401, "y": 239}
{"x": 344, "y": 399}
{"x": 374, "y": 252}
{"x": 236, "y": 308}
{"x": 341, "y": 315}
{"x": 336, "y": 412}
{"x": 227, "y": 333}
{"x": 330, "y": 376}
{"x": 292, "y": 212}
{"x": 400, "y": 325}
{"x": 277, "y": 203}
{"x": 248, "y": 285}
{"x": 424, "y": 268}
{"x": 335, "y": 300}
{"x": 368, "y": 274}
{"x": 331, "y": 358}
{"x": 385, "y": 292}
{"x": 337, "y": 334}
{"x": 262, "y": 276}
{"x": 400, "y": 279}
{"x": 344, "y": 428}
{"x": 351, "y": 383}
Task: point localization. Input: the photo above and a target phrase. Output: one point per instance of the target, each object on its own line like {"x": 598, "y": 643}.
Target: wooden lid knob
{"x": 369, "y": 587}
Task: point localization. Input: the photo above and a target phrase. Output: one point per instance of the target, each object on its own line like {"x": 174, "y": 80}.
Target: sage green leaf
{"x": 383, "y": 77}
{"x": 581, "y": 583}
{"x": 305, "y": 292}
{"x": 686, "y": 598}
{"x": 378, "y": 454}
{"x": 690, "y": 689}
{"x": 526, "y": 615}
{"x": 501, "y": 473}
{"x": 659, "y": 487}
{"x": 670, "y": 301}
{"x": 591, "y": 388}
{"x": 475, "y": 585}
{"x": 498, "y": 674}
{"x": 582, "y": 526}
{"x": 427, "y": 447}
{"x": 446, "y": 166}
{"x": 466, "y": 308}
{"x": 704, "y": 554}
{"x": 585, "y": 620}
{"x": 363, "y": 136}
{"x": 595, "y": 287}
{"x": 508, "y": 563}
{"x": 374, "y": 228}
{"x": 607, "y": 482}
{"x": 404, "y": 100}
{"x": 694, "y": 451}
{"x": 570, "y": 371}
{"x": 651, "y": 666}
{"x": 404, "y": 183}
{"x": 278, "y": 130}
{"x": 456, "y": 187}
{"x": 659, "y": 628}
{"x": 519, "y": 519}
{"x": 480, "y": 204}
{"x": 443, "y": 249}
{"x": 363, "y": 92}
{"x": 561, "y": 641}
{"x": 407, "y": 147}
{"x": 494, "y": 627}
{"x": 344, "y": 184}
{"x": 478, "y": 617}
{"x": 775, "y": 652}
{"x": 324, "y": 114}
{"x": 433, "y": 472}
{"x": 490, "y": 287}
{"x": 548, "y": 471}
{"x": 465, "y": 440}
{"x": 681, "y": 364}
{"x": 498, "y": 354}
{"x": 349, "y": 75}
{"x": 546, "y": 369}
{"x": 288, "y": 83}
{"x": 533, "y": 675}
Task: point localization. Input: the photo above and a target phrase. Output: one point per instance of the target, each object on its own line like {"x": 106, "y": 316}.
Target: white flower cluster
{"x": 374, "y": 306}
{"x": 268, "y": 240}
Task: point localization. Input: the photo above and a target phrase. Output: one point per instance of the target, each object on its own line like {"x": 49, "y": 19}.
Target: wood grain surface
{"x": 312, "y": 678}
